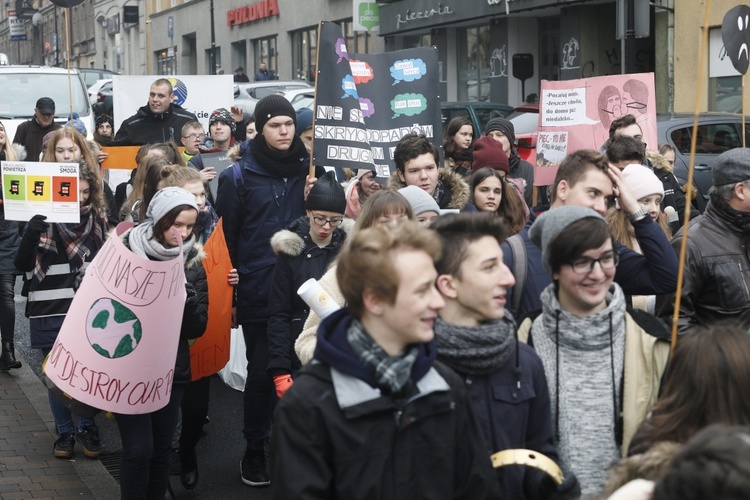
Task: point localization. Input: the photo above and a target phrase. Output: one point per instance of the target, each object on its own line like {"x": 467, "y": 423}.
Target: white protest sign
{"x": 49, "y": 189}
{"x": 564, "y": 107}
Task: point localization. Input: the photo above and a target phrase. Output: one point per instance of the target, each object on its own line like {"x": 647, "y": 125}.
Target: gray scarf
{"x": 476, "y": 350}
{"x": 591, "y": 352}
{"x": 143, "y": 244}
{"x": 391, "y": 372}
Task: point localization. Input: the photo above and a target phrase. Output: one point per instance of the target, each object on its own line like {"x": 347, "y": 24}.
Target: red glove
{"x": 283, "y": 383}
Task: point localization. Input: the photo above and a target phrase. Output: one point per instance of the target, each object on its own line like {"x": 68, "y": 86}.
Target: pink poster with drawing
{"x": 576, "y": 114}
{"x": 117, "y": 347}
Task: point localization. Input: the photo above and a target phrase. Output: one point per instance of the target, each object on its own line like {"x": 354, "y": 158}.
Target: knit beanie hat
{"x": 419, "y": 200}
{"x": 75, "y": 121}
{"x": 504, "y": 126}
{"x": 327, "y": 194}
{"x": 105, "y": 119}
{"x": 489, "y": 153}
{"x": 642, "y": 181}
{"x": 270, "y": 106}
{"x": 222, "y": 115}
{"x": 551, "y": 223}
{"x": 731, "y": 167}
{"x": 361, "y": 172}
{"x": 304, "y": 120}
{"x": 168, "y": 198}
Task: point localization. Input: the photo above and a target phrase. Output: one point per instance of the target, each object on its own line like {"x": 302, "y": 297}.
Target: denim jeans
{"x": 260, "y": 394}
{"x": 61, "y": 413}
{"x": 146, "y": 449}
{"x": 7, "y": 307}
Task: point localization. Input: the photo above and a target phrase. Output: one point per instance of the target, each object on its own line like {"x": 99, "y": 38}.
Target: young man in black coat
{"x": 374, "y": 415}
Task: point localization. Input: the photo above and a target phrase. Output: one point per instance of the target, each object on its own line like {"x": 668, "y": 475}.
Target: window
{"x": 724, "y": 82}
{"x": 356, "y": 41}
{"x": 474, "y": 64}
{"x": 266, "y": 52}
{"x": 304, "y": 54}
{"x": 711, "y": 139}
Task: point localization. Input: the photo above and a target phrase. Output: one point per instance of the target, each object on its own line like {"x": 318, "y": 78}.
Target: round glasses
{"x": 322, "y": 221}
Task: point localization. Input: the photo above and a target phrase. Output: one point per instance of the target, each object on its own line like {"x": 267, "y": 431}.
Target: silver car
{"x": 247, "y": 95}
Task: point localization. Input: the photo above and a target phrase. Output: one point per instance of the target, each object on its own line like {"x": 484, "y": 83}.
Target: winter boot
{"x": 8, "y": 358}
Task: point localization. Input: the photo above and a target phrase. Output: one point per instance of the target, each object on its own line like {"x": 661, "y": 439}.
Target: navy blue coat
{"x": 271, "y": 203}
{"x": 653, "y": 273}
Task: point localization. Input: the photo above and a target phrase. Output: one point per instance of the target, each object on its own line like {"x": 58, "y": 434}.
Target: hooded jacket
{"x": 195, "y": 318}
{"x": 146, "y": 127}
{"x": 455, "y": 190}
{"x": 10, "y": 238}
{"x": 337, "y": 436}
{"x": 269, "y": 203}
{"x": 298, "y": 259}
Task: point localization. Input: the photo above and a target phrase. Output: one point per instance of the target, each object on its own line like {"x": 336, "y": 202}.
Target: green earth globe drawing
{"x": 112, "y": 329}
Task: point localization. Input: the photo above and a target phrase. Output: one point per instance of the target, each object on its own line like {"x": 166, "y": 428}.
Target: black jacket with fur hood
{"x": 455, "y": 190}
{"x": 298, "y": 259}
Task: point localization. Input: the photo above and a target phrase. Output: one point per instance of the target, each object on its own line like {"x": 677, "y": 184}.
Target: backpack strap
{"x": 239, "y": 183}
{"x": 519, "y": 270}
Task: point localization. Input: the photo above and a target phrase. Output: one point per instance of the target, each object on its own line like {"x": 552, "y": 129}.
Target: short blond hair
{"x": 366, "y": 261}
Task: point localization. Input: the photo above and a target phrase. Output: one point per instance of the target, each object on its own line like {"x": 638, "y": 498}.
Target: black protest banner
{"x": 340, "y": 136}
{"x": 398, "y": 95}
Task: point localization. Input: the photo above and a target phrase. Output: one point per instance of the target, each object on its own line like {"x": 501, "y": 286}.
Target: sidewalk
{"x": 27, "y": 432}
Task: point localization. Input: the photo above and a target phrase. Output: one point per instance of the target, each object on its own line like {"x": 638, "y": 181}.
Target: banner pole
{"x": 691, "y": 169}
{"x": 311, "y": 173}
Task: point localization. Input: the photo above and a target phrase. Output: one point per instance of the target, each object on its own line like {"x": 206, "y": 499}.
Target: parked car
{"x": 247, "y": 95}
{"x": 94, "y": 89}
{"x": 478, "y": 112}
{"x": 717, "y": 132}
{"x": 23, "y": 85}
{"x": 300, "y": 98}
{"x": 91, "y": 75}
{"x": 104, "y": 104}
{"x": 525, "y": 119}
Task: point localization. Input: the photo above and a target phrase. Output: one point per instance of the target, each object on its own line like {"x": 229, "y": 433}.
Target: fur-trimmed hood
{"x": 19, "y": 150}
{"x": 456, "y": 190}
{"x": 294, "y": 240}
{"x": 659, "y": 162}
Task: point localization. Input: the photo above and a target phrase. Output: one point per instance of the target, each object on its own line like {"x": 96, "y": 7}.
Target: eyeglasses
{"x": 585, "y": 265}
{"x": 194, "y": 137}
{"x": 322, "y": 221}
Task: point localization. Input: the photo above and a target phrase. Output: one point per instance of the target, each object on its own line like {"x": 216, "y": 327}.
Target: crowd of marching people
{"x": 482, "y": 346}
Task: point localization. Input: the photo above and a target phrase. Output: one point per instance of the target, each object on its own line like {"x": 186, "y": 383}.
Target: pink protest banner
{"x": 116, "y": 349}
{"x": 576, "y": 114}
{"x": 209, "y": 353}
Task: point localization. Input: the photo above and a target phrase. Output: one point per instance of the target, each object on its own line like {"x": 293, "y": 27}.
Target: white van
{"x": 21, "y": 86}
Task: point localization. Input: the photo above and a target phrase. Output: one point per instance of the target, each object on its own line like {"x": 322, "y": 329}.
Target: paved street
{"x": 26, "y": 461}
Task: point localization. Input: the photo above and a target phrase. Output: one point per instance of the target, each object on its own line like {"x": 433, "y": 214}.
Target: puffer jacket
{"x": 9, "y": 241}
{"x": 145, "y": 127}
{"x": 195, "y": 318}
{"x": 336, "y": 435}
{"x": 298, "y": 259}
{"x": 716, "y": 283}
{"x": 455, "y": 190}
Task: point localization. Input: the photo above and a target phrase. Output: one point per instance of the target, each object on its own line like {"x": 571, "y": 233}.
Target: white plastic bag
{"x": 234, "y": 373}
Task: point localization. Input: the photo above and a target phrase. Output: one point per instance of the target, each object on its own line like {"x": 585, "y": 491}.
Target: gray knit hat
{"x": 327, "y": 194}
{"x": 419, "y": 200}
{"x": 731, "y": 167}
{"x": 551, "y": 223}
{"x": 168, "y": 198}
{"x": 504, "y": 126}
{"x": 270, "y": 106}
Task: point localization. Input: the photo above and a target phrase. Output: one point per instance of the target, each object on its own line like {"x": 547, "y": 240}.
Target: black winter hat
{"x": 504, "y": 126}
{"x": 270, "y": 106}
{"x": 327, "y": 194}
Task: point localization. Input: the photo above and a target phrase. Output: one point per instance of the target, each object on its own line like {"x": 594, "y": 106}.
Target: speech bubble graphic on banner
{"x": 361, "y": 71}
{"x": 367, "y": 107}
{"x": 112, "y": 329}
{"x": 408, "y": 104}
{"x": 341, "y": 50}
{"x": 408, "y": 70}
{"x": 349, "y": 88}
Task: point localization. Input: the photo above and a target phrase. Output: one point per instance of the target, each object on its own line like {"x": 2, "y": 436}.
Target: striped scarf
{"x": 77, "y": 240}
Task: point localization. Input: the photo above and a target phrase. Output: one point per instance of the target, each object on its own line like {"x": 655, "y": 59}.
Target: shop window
{"x": 474, "y": 64}
{"x": 304, "y": 53}
{"x": 266, "y": 52}
{"x": 166, "y": 61}
{"x": 724, "y": 82}
{"x": 356, "y": 41}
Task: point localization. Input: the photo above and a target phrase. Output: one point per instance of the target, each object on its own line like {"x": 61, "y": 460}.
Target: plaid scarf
{"x": 206, "y": 223}
{"x": 77, "y": 240}
{"x": 391, "y": 372}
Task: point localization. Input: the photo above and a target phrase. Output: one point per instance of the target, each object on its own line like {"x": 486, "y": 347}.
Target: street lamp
{"x": 38, "y": 21}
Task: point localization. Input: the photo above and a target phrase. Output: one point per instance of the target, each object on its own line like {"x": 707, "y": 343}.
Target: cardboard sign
{"x": 580, "y": 112}
{"x": 49, "y": 189}
{"x": 209, "y": 353}
{"x": 117, "y": 348}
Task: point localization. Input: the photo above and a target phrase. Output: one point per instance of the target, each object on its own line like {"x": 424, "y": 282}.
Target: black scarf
{"x": 289, "y": 163}
{"x": 737, "y": 218}
{"x": 476, "y": 350}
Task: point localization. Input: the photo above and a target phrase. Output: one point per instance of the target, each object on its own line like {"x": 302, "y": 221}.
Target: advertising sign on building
{"x": 366, "y": 16}
{"x": 17, "y": 28}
